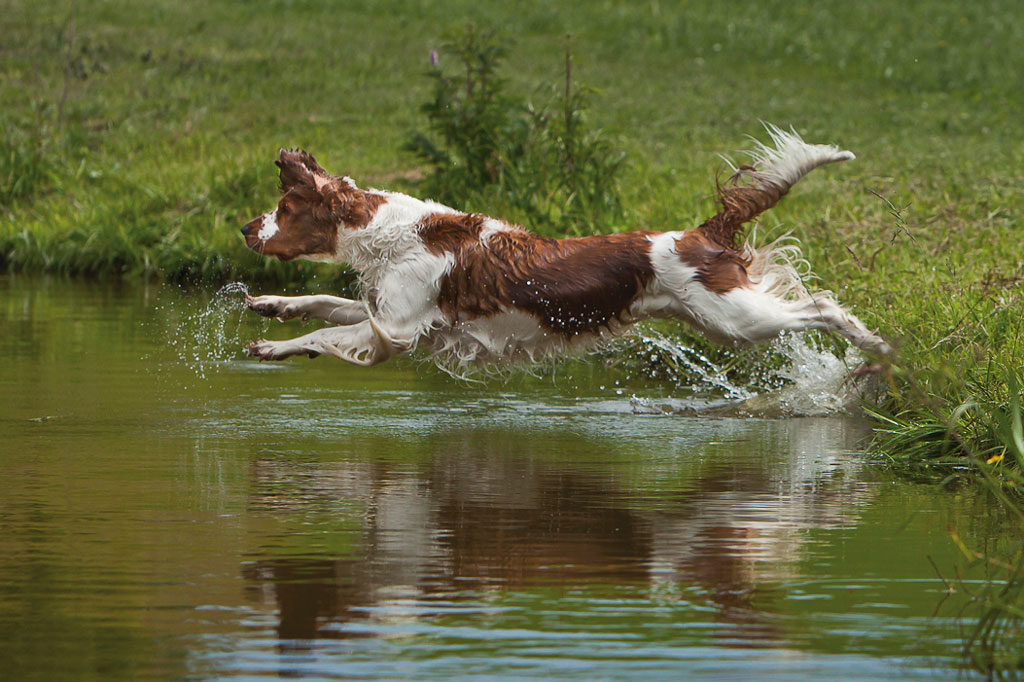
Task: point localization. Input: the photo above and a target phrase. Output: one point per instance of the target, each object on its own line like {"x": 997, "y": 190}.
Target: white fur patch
{"x": 268, "y": 228}
{"x": 672, "y": 277}
{"x": 390, "y": 237}
{"x": 790, "y": 159}
{"x": 403, "y": 211}
{"x": 509, "y": 337}
{"x": 406, "y": 295}
{"x": 491, "y": 226}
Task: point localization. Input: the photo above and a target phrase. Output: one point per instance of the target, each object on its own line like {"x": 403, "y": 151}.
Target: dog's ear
{"x": 337, "y": 194}
{"x": 300, "y": 168}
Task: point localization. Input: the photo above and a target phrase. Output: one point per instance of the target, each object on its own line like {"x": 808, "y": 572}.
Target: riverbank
{"x": 136, "y": 140}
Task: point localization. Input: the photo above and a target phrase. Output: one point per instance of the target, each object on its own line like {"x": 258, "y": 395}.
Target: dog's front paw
{"x": 271, "y": 306}
{"x": 877, "y": 368}
{"x": 265, "y": 350}
{"x": 277, "y": 350}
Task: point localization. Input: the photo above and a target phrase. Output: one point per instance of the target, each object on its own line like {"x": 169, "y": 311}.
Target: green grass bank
{"x": 136, "y": 139}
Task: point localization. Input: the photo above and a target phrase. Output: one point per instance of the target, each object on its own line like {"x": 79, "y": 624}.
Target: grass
{"x": 136, "y": 139}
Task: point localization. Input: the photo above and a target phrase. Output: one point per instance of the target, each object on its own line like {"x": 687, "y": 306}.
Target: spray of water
{"x": 817, "y": 382}
{"x": 795, "y": 377}
{"x": 689, "y": 367}
{"x": 207, "y": 338}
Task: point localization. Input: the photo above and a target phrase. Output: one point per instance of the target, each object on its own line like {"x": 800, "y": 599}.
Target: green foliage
{"x": 941, "y": 424}
{"x": 473, "y": 117}
{"x": 29, "y": 158}
{"x": 994, "y": 646}
{"x": 490, "y": 150}
{"x": 994, "y": 640}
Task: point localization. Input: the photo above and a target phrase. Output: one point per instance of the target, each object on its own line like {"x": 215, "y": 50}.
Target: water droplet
{"x": 211, "y": 335}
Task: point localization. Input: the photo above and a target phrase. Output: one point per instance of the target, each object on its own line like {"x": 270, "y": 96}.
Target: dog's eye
{"x": 283, "y": 210}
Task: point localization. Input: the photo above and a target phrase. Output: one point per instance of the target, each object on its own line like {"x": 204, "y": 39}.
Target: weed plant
{"x": 492, "y": 151}
{"x": 27, "y": 161}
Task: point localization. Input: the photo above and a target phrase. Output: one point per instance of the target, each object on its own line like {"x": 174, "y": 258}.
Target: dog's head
{"x": 314, "y": 207}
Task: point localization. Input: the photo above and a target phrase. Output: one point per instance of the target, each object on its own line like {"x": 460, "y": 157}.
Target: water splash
{"x": 796, "y": 376}
{"x": 816, "y": 381}
{"x": 688, "y": 367}
{"x": 205, "y": 339}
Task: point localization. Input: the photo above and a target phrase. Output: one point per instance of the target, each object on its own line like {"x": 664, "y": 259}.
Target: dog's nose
{"x": 246, "y": 230}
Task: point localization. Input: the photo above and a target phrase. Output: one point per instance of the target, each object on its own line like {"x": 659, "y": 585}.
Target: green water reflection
{"x": 313, "y": 519}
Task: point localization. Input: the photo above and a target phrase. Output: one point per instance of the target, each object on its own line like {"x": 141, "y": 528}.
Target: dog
{"x": 474, "y": 290}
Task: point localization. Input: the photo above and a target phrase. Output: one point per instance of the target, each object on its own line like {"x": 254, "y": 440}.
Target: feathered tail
{"x": 766, "y": 180}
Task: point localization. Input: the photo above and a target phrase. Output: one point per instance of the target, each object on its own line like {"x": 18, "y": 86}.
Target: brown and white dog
{"x": 475, "y": 290}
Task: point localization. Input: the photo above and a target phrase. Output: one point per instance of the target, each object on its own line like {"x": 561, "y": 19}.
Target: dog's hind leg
{"x": 363, "y": 343}
{"x": 341, "y": 311}
{"x": 821, "y": 312}
{"x": 743, "y": 316}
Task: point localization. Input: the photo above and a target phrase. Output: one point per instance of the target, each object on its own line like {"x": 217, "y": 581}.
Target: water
{"x": 164, "y": 516}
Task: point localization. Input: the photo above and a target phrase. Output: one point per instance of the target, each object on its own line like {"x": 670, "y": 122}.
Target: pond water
{"x": 168, "y": 516}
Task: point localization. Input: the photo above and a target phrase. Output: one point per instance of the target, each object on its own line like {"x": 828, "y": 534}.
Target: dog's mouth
{"x": 262, "y": 246}
{"x": 254, "y": 243}
{"x": 251, "y": 233}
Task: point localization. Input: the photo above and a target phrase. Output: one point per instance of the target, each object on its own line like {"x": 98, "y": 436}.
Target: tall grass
{"x": 992, "y": 610}
{"x": 28, "y": 162}
{"x": 954, "y": 403}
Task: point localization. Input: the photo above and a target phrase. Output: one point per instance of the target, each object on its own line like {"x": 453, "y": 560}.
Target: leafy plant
{"x": 488, "y": 148}
{"x": 984, "y": 435}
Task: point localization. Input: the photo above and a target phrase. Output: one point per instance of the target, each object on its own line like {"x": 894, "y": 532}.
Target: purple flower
{"x": 433, "y": 57}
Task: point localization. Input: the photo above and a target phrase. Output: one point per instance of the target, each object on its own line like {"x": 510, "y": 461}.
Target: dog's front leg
{"x": 342, "y": 311}
{"x": 364, "y": 343}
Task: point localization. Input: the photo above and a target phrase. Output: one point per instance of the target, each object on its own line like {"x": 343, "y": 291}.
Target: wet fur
{"x": 475, "y": 290}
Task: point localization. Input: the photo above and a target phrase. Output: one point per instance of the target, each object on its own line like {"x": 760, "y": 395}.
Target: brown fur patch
{"x": 443, "y": 232}
{"x": 298, "y": 167}
{"x": 719, "y": 269}
{"x": 352, "y": 207}
{"x": 571, "y": 286}
{"x": 305, "y": 227}
{"x": 739, "y": 205}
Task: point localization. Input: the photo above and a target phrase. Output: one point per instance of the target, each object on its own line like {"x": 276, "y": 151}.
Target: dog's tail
{"x": 755, "y": 188}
